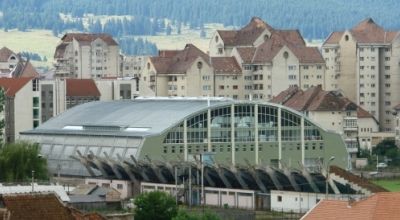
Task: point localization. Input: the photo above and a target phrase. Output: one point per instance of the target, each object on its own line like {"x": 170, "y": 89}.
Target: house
{"x": 89, "y": 197}
{"x": 86, "y": 56}
{"x": 379, "y": 206}
{"x": 12, "y": 65}
{"x": 363, "y": 62}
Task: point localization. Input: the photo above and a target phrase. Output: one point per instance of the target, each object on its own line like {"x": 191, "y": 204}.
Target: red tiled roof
{"x": 29, "y": 71}
{"x": 89, "y": 37}
{"x": 42, "y": 206}
{"x": 367, "y": 31}
{"x": 226, "y": 65}
{"x": 168, "y": 53}
{"x": 12, "y": 85}
{"x": 245, "y": 36}
{"x": 379, "y": 206}
{"x": 313, "y": 99}
{"x": 180, "y": 62}
{"x": 81, "y": 87}
{"x": 246, "y": 53}
{"x": 5, "y": 53}
{"x": 362, "y": 113}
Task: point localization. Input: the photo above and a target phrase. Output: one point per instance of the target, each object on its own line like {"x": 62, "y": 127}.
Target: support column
{"x": 256, "y": 134}
{"x": 209, "y": 129}
{"x": 302, "y": 140}
{"x": 233, "y": 133}
{"x": 185, "y": 145}
{"x": 279, "y": 138}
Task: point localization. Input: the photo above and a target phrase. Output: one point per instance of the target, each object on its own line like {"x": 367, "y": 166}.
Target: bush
{"x": 184, "y": 215}
{"x": 155, "y": 206}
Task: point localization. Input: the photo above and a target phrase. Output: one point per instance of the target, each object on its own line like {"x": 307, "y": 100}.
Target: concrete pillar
{"x": 185, "y": 141}
{"x": 256, "y": 133}
{"x": 302, "y": 140}
{"x": 233, "y": 133}
{"x": 209, "y": 129}
{"x": 279, "y": 137}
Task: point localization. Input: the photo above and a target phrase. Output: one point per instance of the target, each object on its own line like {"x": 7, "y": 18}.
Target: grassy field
{"x": 392, "y": 185}
{"x": 37, "y": 41}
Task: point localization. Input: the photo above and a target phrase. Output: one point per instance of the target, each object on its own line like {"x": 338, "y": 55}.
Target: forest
{"x": 314, "y": 18}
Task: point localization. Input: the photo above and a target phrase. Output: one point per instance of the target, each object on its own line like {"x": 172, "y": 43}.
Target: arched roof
{"x": 131, "y": 118}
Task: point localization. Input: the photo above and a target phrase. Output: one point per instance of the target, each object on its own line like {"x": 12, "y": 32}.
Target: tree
{"x": 155, "y": 206}
{"x": 17, "y": 160}
{"x": 387, "y": 148}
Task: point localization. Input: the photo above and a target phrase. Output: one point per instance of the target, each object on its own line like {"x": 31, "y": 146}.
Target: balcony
{"x": 350, "y": 124}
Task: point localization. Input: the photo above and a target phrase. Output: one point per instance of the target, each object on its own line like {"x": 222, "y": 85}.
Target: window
{"x": 292, "y": 77}
{"x": 220, "y": 50}
{"x": 120, "y": 186}
{"x": 361, "y": 67}
{"x": 372, "y": 49}
{"x": 387, "y": 58}
{"x": 319, "y": 67}
{"x": 372, "y": 58}
{"x": 346, "y": 37}
{"x": 279, "y": 198}
{"x": 387, "y": 49}
{"x": 35, "y": 85}
{"x": 373, "y": 85}
{"x": 361, "y": 58}
{"x": 35, "y": 102}
{"x": 372, "y": 67}
{"x": 305, "y": 67}
{"x": 387, "y": 76}
{"x": 387, "y": 85}
{"x": 221, "y": 87}
{"x": 326, "y": 50}
{"x": 387, "y": 67}
{"x": 216, "y": 39}
{"x": 292, "y": 67}
{"x": 235, "y": 87}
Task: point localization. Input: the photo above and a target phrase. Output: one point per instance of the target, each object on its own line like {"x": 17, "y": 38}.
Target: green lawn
{"x": 37, "y": 41}
{"x": 392, "y": 185}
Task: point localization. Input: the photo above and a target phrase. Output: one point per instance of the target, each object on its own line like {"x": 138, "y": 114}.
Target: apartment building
{"x": 132, "y": 66}
{"x": 332, "y": 111}
{"x": 364, "y": 63}
{"x": 12, "y": 65}
{"x": 86, "y": 56}
{"x": 191, "y": 72}
{"x": 21, "y": 106}
{"x": 271, "y": 60}
{"x": 59, "y": 95}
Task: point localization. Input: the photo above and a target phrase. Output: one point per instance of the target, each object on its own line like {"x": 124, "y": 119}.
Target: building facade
{"x": 238, "y": 132}
{"x": 86, "y": 56}
{"x": 334, "y": 112}
{"x": 21, "y": 106}
{"x": 363, "y": 62}
{"x": 12, "y": 65}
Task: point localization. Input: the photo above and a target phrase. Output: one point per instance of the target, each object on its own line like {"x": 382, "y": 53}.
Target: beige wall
{"x": 347, "y": 78}
{"x": 366, "y": 126}
{"x": 283, "y": 75}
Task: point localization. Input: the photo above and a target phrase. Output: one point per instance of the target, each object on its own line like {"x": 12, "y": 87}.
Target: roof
{"x": 57, "y": 189}
{"x": 362, "y": 113}
{"x": 42, "y": 206}
{"x": 5, "y": 53}
{"x": 81, "y": 87}
{"x": 314, "y": 99}
{"x": 246, "y": 53}
{"x": 367, "y": 31}
{"x": 28, "y": 70}
{"x": 226, "y": 65}
{"x": 378, "y": 206}
{"x": 291, "y": 39}
{"x": 60, "y": 50}
{"x": 245, "y": 36}
{"x": 129, "y": 118}
{"x": 88, "y": 37}
{"x": 178, "y": 61}
{"x": 12, "y": 85}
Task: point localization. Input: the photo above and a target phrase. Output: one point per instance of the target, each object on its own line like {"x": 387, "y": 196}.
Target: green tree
{"x": 17, "y": 160}
{"x": 387, "y": 148}
{"x": 155, "y": 206}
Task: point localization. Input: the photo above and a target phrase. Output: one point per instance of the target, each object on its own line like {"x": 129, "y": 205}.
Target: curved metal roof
{"x": 134, "y": 118}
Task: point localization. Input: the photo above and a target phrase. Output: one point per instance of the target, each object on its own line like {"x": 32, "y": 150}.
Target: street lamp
{"x": 327, "y": 176}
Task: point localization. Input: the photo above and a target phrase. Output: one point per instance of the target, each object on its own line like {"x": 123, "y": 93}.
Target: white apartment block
{"x": 21, "y": 106}
{"x": 256, "y": 62}
{"x": 364, "y": 63}
{"x": 271, "y": 60}
{"x": 334, "y": 112}
{"x": 132, "y": 66}
{"x": 86, "y": 56}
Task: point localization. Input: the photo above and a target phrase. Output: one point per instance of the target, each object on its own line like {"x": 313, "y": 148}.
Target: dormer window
{"x": 346, "y": 37}
{"x": 13, "y": 58}
{"x": 266, "y": 37}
